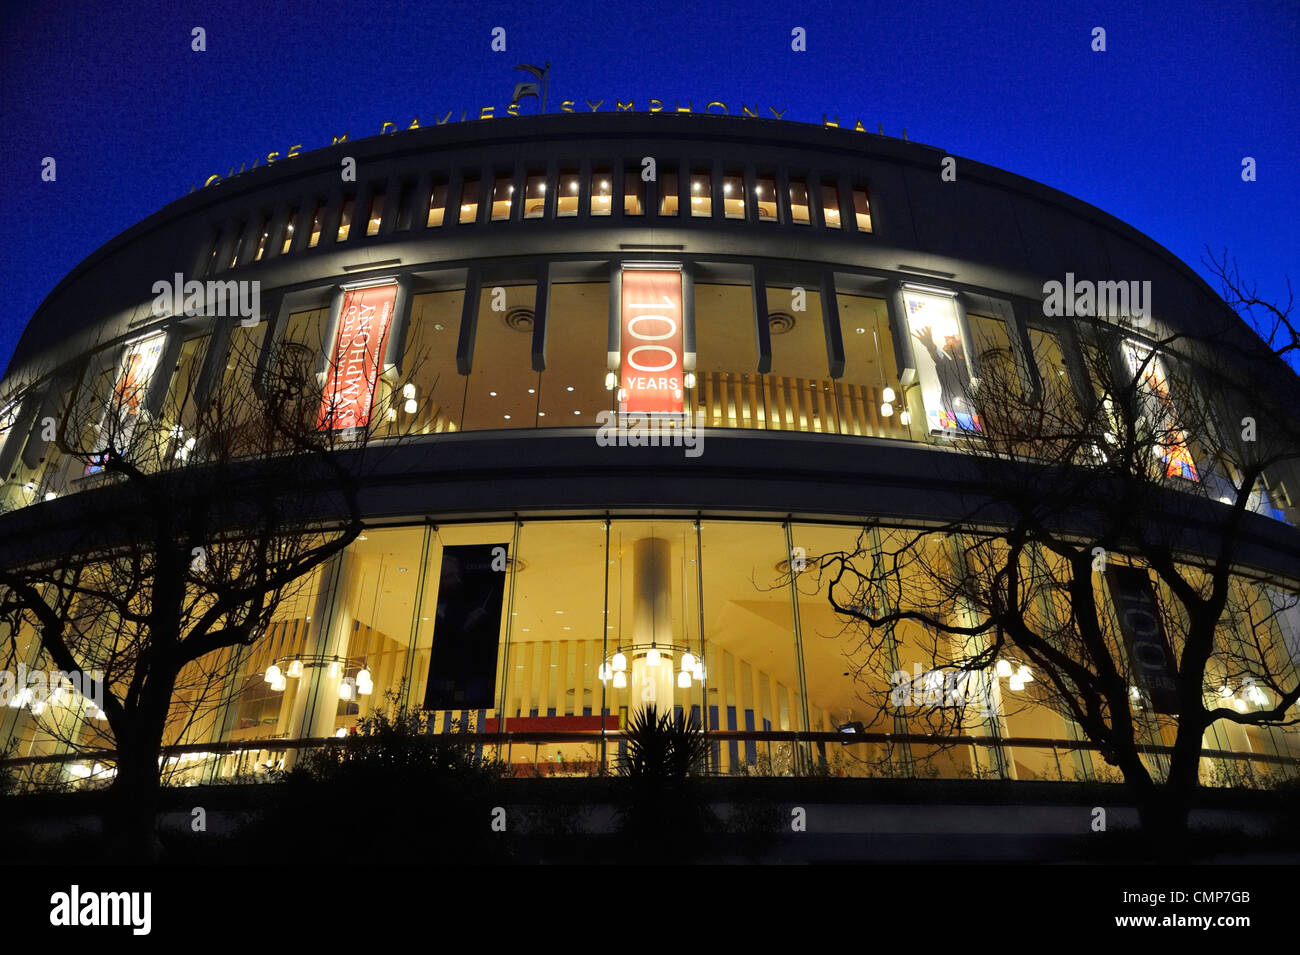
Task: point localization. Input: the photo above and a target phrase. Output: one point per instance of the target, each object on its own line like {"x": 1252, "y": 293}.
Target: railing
{"x": 779, "y": 403}
{"x": 731, "y": 753}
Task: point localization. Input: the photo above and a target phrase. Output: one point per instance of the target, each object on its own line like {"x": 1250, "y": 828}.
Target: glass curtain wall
{"x": 558, "y": 631}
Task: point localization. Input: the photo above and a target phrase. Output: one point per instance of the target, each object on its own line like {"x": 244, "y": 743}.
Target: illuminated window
{"x": 262, "y": 239}
{"x": 212, "y": 256}
{"x": 701, "y": 194}
{"x": 288, "y": 231}
{"x": 234, "y": 252}
{"x": 799, "y": 202}
{"x": 797, "y": 393}
{"x": 571, "y": 392}
{"x": 503, "y": 192}
{"x": 316, "y": 225}
{"x": 567, "y": 199}
{"x": 178, "y": 411}
{"x": 502, "y": 391}
{"x": 345, "y": 220}
{"x": 602, "y": 192}
{"x": 437, "y": 205}
{"x": 535, "y": 196}
{"x": 871, "y": 380}
{"x": 668, "y": 194}
{"x": 994, "y": 356}
{"x": 469, "y": 201}
{"x": 862, "y": 210}
{"x": 633, "y": 194}
{"x": 376, "y": 214}
{"x": 727, "y": 391}
{"x": 765, "y": 199}
{"x": 831, "y": 205}
{"x": 733, "y": 195}
{"x": 1050, "y": 360}
{"x": 434, "y": 402}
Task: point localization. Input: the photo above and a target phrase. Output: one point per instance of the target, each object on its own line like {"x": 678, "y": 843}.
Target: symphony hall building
{"x": 800, "y": 301}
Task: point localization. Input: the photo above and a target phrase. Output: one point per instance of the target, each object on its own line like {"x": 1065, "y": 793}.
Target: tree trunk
{"x": 130, "y": 822}
{"x": 131, "y": 819}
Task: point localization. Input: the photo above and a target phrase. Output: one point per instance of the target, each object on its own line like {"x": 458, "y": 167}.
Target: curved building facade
{"x": 788, "y": 317}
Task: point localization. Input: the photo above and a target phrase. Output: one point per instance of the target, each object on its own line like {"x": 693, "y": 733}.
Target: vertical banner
{"x": 1148, "y": 647}
{"x": 1158, "y": 406}
{"x": 126, "y": 400}
{"x": 650, "y": 376}
{"x": 941, "y": 367}
{"x": 466, "y": 628}
{"x": 355, "y": 360}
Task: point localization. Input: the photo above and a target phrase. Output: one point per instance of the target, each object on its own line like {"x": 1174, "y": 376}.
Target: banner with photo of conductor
{"x": 941, "y": 368}
{"x": 126, "y": 399}
{"x": 1158, "y": 406}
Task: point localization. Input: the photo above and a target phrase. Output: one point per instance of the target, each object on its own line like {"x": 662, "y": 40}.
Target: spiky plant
{"x": 668, "y": 746}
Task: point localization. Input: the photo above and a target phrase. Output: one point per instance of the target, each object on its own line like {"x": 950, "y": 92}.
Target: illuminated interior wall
{"x": 503, "y": 388}
{"x": 728, "y": 391}
{"x": 572, "y": 389}
{"x": 429, "y": 367}
{"x": 869, "y": 368}
{"x": 798, "y": 392}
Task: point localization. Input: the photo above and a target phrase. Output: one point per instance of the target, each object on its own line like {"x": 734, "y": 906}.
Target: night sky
{"x": 1152, "y": 131}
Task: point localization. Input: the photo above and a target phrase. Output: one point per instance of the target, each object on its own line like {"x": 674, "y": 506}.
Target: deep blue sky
{"x": 1152, "y": 131}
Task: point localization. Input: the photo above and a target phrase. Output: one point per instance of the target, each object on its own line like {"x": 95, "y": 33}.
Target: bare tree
{"x": 1271, "y": 319}
{"x": 209, "y": 514}
{"x": 1038, "y": 589}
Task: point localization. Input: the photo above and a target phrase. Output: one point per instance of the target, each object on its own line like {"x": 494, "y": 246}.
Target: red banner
{"x": 650, "y": 378}
{"x": 358, "y": 351}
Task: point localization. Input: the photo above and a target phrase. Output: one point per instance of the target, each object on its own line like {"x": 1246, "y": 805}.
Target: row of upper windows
{"x": 805, "y": 201}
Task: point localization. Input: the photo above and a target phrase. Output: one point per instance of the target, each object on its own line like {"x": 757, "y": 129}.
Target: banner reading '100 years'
{"x": 355, "y": 362}
{"x": 941, "y": 367}
{"x": 650, "y": 375}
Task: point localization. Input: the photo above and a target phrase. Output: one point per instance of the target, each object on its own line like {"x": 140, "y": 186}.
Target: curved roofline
{"x": 710, "y": 127}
